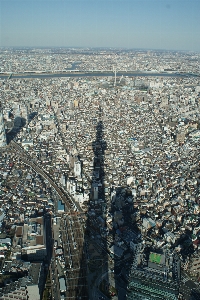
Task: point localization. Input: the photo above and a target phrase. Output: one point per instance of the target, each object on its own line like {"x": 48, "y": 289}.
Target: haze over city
{"x": 150, "y": 24}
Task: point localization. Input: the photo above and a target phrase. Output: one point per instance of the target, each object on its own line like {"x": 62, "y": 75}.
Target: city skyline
{"x": 99, "y": 177}
{"x": 167, "y": 25}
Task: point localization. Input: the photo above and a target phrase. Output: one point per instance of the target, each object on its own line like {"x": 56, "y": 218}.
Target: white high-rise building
{"x": 77, "y": 168}
{"x": 2, "y": 130}
{"x": 63, "y": 180}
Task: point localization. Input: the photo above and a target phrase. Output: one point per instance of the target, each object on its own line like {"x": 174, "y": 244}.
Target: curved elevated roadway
{"x": 28, "y": 160}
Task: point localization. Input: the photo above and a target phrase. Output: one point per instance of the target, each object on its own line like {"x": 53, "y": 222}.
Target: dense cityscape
{"x": 99, "y": 174}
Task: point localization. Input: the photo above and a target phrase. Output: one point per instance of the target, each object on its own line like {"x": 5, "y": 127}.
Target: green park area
{"x": 155, "y": 258}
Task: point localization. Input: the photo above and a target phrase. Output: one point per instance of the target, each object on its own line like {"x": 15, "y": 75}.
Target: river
{"x": 94, "y": 74}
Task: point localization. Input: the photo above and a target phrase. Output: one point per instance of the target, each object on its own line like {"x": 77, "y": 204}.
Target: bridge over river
{"x": 92, "y": 73}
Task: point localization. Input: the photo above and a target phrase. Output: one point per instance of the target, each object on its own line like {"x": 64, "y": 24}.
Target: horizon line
{"x": 99, "y": 47}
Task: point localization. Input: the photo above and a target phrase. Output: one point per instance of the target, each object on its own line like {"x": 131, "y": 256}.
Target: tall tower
{"x": 115, "y": 82}
{"x": 2, "y": 130}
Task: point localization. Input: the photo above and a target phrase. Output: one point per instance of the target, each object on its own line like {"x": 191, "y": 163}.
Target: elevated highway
{"x": 28, "y": 160}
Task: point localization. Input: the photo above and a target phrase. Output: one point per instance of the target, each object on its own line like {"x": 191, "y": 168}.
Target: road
{"x": 28, "y": 160}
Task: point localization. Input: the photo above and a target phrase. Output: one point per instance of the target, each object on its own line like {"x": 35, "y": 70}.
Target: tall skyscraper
{"x": 2, "y": 130}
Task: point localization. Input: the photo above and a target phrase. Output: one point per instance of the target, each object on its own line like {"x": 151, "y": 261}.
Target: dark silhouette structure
{"x": 106, "y": 264}
{"x": 95, "y": 226}
{"x": 18, "y": 124}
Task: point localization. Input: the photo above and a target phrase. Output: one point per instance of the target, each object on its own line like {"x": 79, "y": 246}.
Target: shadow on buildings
{"x": 126, "y": 236}
{"x": 110, "y": 228}
{"x": 94, "y": 260}
{"x": 195, "y": 295}
{"x": 18, "y": 124}
{"x": 119, "y": 265}
{"x": 31, "y": 116}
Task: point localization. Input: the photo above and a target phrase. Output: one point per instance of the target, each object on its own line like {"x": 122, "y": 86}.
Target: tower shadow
{"x": 111, "y": 233}
{"x": 93, "y": 276}
{"x": 116, "y": 263}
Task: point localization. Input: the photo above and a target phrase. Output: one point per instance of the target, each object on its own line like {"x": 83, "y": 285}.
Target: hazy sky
{"x": 152, "y": 24}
